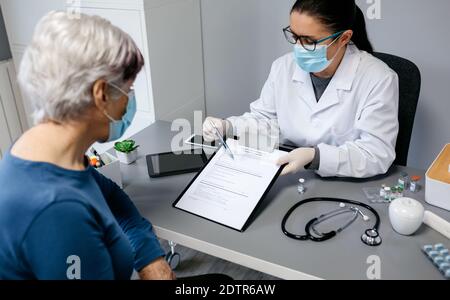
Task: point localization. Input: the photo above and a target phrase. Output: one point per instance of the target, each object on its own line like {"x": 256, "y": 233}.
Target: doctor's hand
{"x": 223, "y": 126}
{"x": 296, "y": 160}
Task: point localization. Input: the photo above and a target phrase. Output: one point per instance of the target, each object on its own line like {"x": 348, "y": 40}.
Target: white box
{"x": 437, "y": 191}
{"x": 112, "y": 168}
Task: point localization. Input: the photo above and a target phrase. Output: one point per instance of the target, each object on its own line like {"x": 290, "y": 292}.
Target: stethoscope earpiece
{"x": 365, "y": 217}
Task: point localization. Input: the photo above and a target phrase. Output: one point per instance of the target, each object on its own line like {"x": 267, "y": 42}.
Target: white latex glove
{"x": 296, "y": 160}
{"x": 223, "y": 126}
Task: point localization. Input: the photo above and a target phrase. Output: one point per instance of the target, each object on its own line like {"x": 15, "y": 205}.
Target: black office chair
{"x": 410, "y": 84}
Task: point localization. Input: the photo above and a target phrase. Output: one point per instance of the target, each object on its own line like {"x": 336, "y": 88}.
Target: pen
{"x": 225, "y": 145}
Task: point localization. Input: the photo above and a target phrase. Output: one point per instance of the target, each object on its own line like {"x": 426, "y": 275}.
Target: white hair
{"x": 67, "y": 56}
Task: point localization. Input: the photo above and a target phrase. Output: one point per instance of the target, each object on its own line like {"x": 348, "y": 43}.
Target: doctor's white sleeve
{"x": 374, "y": 151}
{"x": 262, "y": 117}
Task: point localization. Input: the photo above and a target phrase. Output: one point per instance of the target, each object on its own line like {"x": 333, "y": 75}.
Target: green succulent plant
{"x": 126, "y": 146}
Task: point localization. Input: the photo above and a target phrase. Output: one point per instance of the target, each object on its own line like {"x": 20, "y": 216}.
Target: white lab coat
{"x": 355, "y": 123}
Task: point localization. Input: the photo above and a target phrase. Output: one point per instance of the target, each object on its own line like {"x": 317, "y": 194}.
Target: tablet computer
{"x": 199, "y": 141}
{"x": 168, "y": 164}
{"x": 287, "y": 147}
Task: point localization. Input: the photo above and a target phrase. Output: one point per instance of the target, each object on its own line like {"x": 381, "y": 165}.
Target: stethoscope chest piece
{"x": 371, "y": 237}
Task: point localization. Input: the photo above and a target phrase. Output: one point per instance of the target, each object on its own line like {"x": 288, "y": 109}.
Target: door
{"x": 12, "y": 115}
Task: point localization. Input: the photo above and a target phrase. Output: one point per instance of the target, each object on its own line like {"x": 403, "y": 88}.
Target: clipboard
{"x": 249, "y": 217}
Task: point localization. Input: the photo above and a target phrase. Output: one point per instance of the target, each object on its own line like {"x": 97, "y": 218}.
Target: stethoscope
{"x": 371, "y": 237}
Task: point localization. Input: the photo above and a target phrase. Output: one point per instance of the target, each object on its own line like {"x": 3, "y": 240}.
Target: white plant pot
{"x": 127, "y": 158}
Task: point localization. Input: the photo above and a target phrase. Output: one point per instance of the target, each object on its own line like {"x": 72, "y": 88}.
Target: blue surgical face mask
{"x": 313, "y": 61}
{"x": 117, "y": 128}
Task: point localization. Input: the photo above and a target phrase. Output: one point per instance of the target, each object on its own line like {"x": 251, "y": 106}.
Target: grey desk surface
{"x": 263, "y": 246}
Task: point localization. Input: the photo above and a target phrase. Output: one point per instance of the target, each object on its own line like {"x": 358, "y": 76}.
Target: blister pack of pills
{"x": 440, "y": 256}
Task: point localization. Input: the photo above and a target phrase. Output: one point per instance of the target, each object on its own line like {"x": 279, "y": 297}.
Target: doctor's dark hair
{"x": 338, "y": 15}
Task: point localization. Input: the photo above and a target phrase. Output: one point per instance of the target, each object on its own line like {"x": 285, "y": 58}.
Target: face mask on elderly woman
{"x": 118, "y": 128}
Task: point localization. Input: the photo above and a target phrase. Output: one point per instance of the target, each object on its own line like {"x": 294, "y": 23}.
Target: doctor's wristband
{"x": 315, "y": 163}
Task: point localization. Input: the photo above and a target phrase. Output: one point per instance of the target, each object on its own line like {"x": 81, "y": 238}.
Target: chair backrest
{"x": 409, "y": 84}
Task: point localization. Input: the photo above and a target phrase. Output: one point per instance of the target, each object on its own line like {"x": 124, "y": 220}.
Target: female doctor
{"x": 330, "y": 97}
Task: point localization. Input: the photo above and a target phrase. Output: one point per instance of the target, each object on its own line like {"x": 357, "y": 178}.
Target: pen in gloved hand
{"x": 225, "y": 145}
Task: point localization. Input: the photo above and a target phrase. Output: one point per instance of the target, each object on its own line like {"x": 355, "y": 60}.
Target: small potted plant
{"x": 126, "y": 151}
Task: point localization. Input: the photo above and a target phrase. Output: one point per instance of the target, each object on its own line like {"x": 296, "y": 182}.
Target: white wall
{"x": 175, "y": 57}
{"x": 418, "y": 30}
{"x": 242, "y": 38}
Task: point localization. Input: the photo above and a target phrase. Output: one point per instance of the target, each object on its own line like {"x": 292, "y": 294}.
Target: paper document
{"x": 227, "y": 191}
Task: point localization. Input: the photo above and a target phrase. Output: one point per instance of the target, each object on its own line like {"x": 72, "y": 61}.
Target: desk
{"x": 263, "y": 246}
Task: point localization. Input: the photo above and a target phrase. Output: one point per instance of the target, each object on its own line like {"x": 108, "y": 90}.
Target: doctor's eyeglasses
{"x": 306, "y": 42}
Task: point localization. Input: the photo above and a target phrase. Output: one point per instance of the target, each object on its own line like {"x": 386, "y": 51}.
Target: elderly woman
{"x": 59, "y": 218}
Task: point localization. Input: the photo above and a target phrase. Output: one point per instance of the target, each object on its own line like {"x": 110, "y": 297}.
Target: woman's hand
{"x": 296, "y": 160}
{"x": 209, "y": 133}
{"x": 157, "y": 270}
